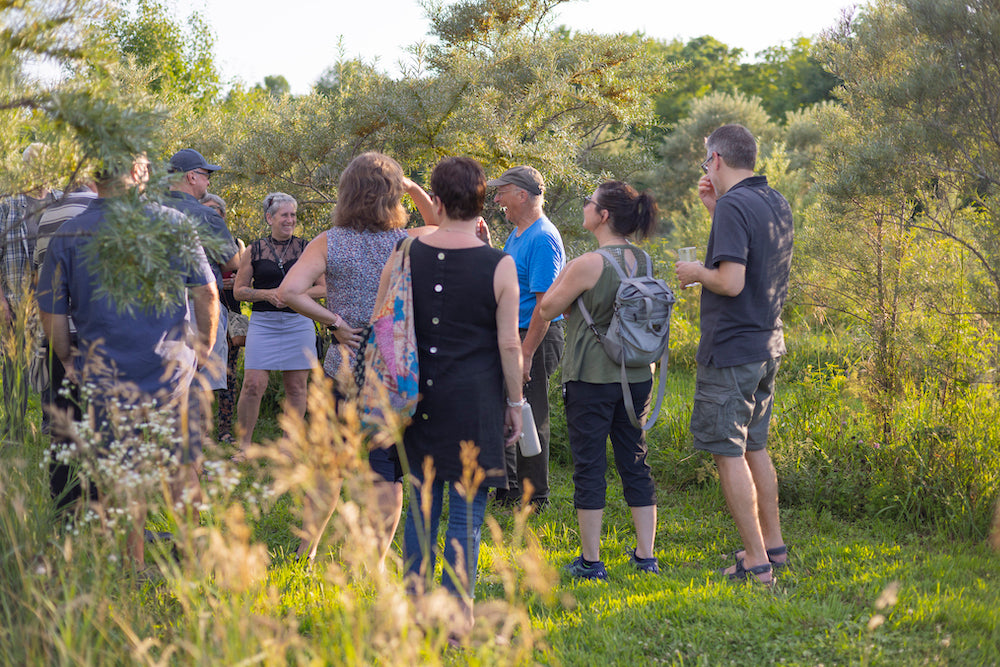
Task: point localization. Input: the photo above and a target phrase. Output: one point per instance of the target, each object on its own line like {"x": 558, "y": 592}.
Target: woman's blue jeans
{"x": 465, "y": 522}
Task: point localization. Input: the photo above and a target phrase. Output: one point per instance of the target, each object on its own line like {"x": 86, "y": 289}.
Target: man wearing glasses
{"x": 190, "y": 175}
{"x": 744, "y": 285}
{"x": 537, "y": 249}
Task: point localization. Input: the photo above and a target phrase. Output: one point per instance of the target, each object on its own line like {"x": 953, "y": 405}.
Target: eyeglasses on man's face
{"x": 708, "y": 161}
{"x": 206, "y": 174}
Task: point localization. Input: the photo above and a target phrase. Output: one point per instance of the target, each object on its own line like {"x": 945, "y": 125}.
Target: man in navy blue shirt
{"x": 190, "y": 176}
{"x": 133, "y": 355}
{"x": 744, "y": 285}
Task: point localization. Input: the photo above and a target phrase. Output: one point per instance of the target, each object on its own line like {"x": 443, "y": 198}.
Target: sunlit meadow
{"x": 889, "y": 545}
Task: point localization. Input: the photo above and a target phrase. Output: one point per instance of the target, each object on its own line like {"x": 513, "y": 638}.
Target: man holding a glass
{"x": 744, "y": 285}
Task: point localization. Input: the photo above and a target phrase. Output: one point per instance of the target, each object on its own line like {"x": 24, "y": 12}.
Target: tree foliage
{"x": 933, "y": 67}
{"x": 922, "y": 84}
{"x": 704, "y": 66}
{"x": 277, "y": 85}
{"x": 180, "y": 57}
{"x": 501, "y": 86}
{"x": 903, "y": 246}
{"x": 93, "y": 113}
{"x": 785, "y": 77}
{"x": 96, "y": 114}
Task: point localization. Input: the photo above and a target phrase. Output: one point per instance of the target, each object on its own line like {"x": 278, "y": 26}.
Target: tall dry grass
{"x": 67, "y": 596}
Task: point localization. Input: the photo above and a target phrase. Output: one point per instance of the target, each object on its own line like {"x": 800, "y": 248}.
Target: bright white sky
{"x": 299, "y": 38}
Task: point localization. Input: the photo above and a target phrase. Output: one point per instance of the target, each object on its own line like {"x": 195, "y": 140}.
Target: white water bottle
{"x": 529, "y": 434}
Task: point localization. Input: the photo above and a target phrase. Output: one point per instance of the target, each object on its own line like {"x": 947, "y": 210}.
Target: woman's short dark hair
{"x": 631, "y": 213}
{"x": 370, "y": 193}
{"x": 460, "y": 184}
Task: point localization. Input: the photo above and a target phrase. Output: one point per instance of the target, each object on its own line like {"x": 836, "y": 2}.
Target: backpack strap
{"x": 606, "y": 254}
{"x": 660, "y": 392}
{"x": 626, "y": 389}
{"x": 588, "y": 319}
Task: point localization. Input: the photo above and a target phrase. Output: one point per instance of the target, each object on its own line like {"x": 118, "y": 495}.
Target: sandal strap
{"x": 741, "y": 572}
{"x": 757, "y": 569}
{"x": 771, "y": 553}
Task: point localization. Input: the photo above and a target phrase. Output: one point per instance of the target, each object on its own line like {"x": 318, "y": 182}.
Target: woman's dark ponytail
{"x": 645, "y": 215}
{"x": 632, "y": 214}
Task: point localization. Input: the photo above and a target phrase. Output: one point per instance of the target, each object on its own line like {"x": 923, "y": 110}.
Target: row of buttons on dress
{"x": 435, "y": 321}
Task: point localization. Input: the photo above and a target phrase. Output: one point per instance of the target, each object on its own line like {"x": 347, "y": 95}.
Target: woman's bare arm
{"x": 579, "y": 276}
{"x": 507, "y": 294}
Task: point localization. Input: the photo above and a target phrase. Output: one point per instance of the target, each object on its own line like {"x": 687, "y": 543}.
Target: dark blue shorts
{"x": 385, "y": 462}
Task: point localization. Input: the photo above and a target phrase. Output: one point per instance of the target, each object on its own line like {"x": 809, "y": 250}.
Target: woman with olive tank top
{"x": 595, "y": 405}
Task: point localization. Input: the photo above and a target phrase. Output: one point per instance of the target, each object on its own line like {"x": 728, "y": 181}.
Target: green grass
{"x": 65, "y": 598}
{"x": 818, "y": 613}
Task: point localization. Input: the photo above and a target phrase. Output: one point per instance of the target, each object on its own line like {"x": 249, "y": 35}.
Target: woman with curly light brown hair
{"x": 368, "y": 222}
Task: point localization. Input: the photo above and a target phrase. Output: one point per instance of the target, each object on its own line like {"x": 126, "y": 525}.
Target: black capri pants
{"x": 593, "y": 413}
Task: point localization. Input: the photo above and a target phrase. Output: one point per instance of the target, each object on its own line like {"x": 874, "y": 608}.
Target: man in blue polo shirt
{"x": 744, "y": 284}
{"x": 537, "y": 249}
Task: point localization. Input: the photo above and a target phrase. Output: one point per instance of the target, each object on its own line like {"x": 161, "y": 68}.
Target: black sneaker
{"x": 645, "y": 564}
{"x": 581, "y": 570}
{"x": 151, "y": 537}
{"x": 539, "y": 505}
{"x": 505, "y": 499}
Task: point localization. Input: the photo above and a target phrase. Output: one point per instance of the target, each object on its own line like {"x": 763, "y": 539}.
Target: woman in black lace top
{"x": 279, "y": 339}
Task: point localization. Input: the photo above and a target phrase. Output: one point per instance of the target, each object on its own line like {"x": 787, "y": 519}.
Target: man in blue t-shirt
{"x": 744, "y": 285}
{"x": 537, "y": 249}
{"x": 130, "y": 356}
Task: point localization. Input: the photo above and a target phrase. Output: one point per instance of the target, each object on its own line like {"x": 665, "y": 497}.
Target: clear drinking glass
{"x": 688, "y": 254}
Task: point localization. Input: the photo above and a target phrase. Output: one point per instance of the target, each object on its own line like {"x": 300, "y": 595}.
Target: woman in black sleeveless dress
{"x": 465, "y": 300}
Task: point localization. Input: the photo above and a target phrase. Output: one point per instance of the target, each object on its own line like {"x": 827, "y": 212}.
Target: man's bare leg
{"x": 741, "y": 498}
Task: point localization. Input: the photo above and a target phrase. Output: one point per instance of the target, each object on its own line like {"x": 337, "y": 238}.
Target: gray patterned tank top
{"x": 354, "y": 261}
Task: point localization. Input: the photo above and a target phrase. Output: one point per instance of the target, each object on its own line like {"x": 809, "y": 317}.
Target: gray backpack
{"x": 639, "y": 332}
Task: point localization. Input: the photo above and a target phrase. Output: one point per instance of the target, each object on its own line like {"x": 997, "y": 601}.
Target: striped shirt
{"x": 67, "y": 208}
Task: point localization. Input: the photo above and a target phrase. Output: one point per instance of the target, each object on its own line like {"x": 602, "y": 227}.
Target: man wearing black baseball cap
{"x": 188, "y": 159}
{"x": 537, "y": 249}
{"x": 188, "y": 184}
